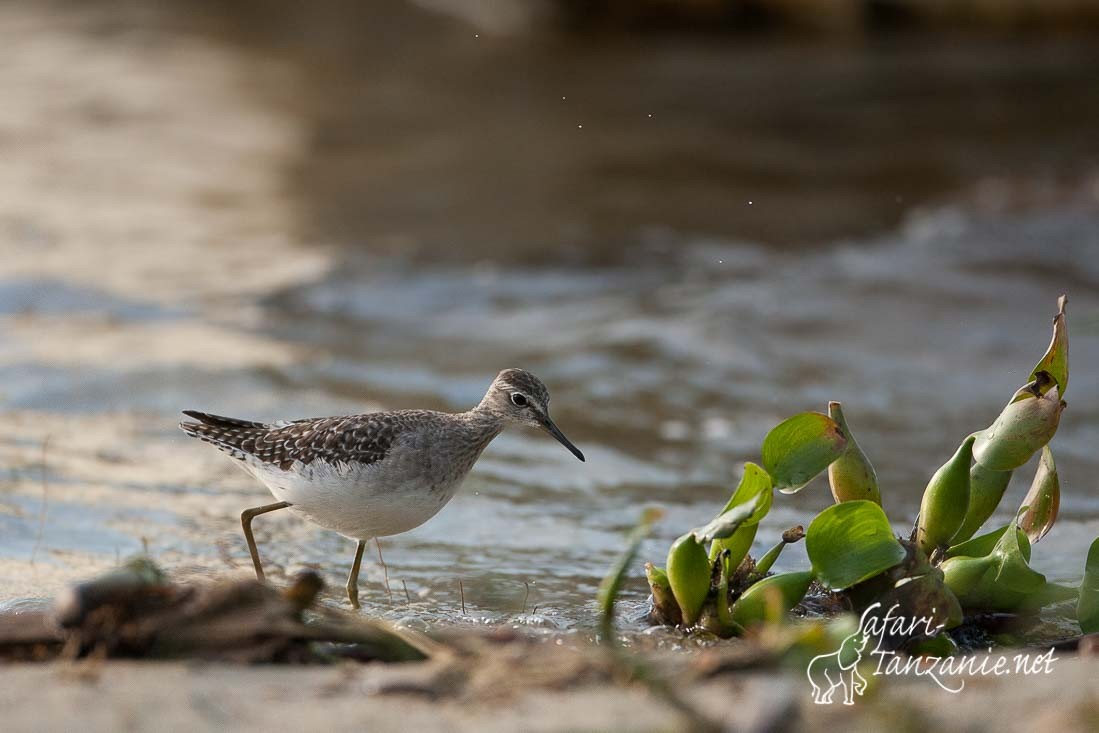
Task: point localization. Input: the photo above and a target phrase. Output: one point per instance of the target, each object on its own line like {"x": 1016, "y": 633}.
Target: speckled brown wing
{"x": 361, "y": 439}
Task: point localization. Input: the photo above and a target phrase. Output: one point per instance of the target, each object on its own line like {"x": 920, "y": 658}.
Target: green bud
{"x": 945, "y": 500}
{"x": 1026, "y": 424}
{"x": 789, "y": 537}
{"x": 689, "y": 576}
{"x": 657, "y": 576}
{"x": 966, "y": 578}
{"x": 986, "y": 488}
{"x": 770, "y": 597}
{"x": 665, "y": 608}
{"x": 851, "y": 476}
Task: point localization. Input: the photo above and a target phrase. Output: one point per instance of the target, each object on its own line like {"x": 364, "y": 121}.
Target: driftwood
{"x": 137, "y": 612}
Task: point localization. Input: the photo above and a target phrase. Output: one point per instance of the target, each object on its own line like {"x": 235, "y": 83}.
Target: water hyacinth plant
{"x": 942, "y": 571}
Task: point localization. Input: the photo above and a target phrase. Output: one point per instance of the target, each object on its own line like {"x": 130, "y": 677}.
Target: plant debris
{"x": 136, "y": 611}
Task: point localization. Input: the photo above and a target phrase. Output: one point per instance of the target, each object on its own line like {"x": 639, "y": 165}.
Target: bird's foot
{"x": 353, "y": 595}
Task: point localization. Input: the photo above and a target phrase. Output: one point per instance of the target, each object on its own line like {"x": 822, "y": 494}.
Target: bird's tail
{"x": 226, "y": 433}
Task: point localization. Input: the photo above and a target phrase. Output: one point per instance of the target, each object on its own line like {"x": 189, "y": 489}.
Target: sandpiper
{"x": 378, "y": 474}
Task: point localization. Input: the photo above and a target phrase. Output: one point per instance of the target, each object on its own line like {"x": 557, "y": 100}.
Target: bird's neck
{"x": 481, "y": 426}
{"x": 484, "y": 421}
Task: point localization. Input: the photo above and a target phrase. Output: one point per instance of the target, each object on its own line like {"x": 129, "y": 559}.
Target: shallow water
{"x": 668, "y": 359}
{"x": 670, "y": 372}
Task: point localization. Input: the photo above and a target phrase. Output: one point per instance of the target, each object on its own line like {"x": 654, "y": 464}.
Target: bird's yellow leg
{"x": 246, "y": 518}
{"x": 353, "y": 577}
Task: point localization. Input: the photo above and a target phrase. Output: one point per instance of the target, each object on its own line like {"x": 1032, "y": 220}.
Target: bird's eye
{"x": 518, "y": 399}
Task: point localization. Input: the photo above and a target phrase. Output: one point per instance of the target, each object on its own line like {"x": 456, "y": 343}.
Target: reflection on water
{"x": 669, "y": 351}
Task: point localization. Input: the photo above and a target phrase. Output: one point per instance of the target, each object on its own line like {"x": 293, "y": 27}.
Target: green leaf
{"x": 1043, "y": 501}
{"x": 799, "y": 448}
{"x": 754, "y": 482}
{"x": 724, "y": 525}
{"x": 850, "y": 542}
{"x": 1047, "y": 595}
{"x": 978, "y": 546}
{"x": 738, "y": 544}
{"x": 1055, "y": 361}
{"x": 1087, "y": 608}
{"x": 999, "y": 581}
{"x": 755, "y": 489}
{"x": 1013, "y": 552}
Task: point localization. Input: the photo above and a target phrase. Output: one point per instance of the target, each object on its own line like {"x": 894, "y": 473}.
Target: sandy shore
{"x": 541, "y": 688}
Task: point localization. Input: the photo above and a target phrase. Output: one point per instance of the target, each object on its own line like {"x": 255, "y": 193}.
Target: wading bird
{"x": 378, "y": 474}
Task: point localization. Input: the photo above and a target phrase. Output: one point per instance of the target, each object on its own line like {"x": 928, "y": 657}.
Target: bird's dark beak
{"x": 556, "y": 432}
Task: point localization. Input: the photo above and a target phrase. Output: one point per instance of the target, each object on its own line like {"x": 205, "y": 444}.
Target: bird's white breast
{"x": 357, "y": 500}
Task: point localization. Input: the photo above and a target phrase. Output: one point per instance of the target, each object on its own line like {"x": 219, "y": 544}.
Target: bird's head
{"x": 517, "y": 396}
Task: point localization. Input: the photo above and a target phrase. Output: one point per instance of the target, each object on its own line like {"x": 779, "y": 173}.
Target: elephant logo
{"x": 826, "y": 672}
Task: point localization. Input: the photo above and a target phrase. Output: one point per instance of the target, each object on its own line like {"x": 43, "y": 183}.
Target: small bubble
{"x": 749, "y": 203}
{"x": 650, "y": 114}
{"x": 579, "y": 127}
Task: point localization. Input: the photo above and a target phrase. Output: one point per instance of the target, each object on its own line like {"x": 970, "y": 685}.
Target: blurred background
{"x": 691, "y": 219}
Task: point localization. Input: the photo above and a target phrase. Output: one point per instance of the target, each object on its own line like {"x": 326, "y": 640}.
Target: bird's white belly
{"x": 357, "y": 501}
